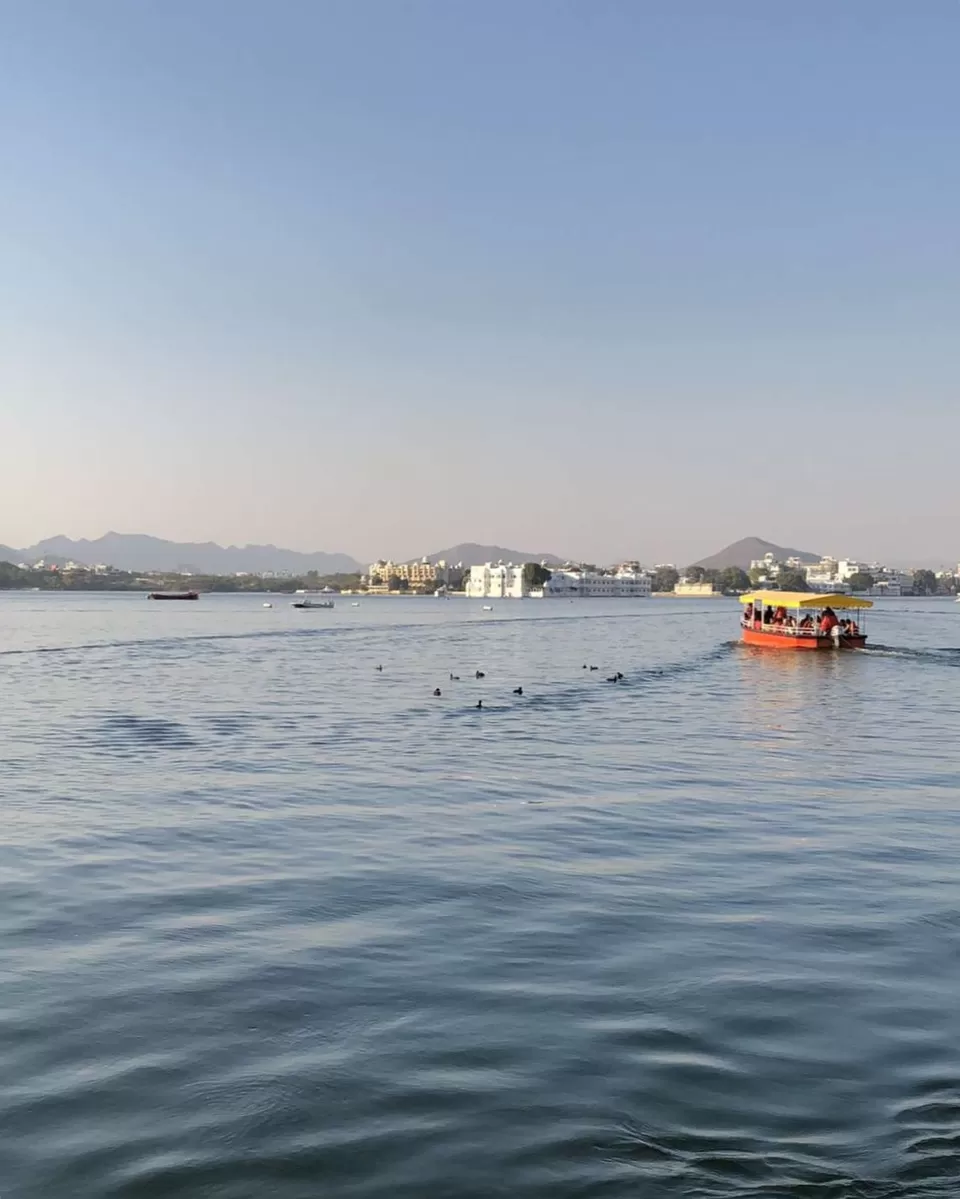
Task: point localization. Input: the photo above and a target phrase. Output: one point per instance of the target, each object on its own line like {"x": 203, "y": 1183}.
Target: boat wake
{"x": 947, "y": 655}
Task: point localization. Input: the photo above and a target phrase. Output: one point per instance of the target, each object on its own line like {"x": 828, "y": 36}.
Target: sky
{"x": 603, "y": 278}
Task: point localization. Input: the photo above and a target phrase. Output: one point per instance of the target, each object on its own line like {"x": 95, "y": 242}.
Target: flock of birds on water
{"x": 479, "y": 674}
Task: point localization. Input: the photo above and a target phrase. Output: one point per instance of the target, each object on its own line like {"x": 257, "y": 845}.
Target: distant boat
{"x": 268, "y": 605}
{"x": 174, "y": 595}
{"x": 309, "y": 603}
{"x": 355, "y": 604}
{"x": 488, "y": 607}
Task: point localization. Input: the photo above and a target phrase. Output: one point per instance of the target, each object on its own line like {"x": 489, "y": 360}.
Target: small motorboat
{"x": 174, "y": 595}
{"x": 309, "y": 603}
{"x": 487, "y": 608}
{"x": 268, "y": 605}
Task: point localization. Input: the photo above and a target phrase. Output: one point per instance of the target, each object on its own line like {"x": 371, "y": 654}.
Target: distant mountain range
{"x": 471, "y": 554}
{"x": 742, "y": 553}
{"x": 138, "y": 552}
{"x": 135, "y": 551}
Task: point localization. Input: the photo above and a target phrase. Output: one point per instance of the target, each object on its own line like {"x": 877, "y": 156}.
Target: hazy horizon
{"x": 599, "y": 280}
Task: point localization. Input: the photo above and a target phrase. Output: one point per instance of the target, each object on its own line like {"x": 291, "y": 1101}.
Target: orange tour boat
{"x": 802, "y": 620}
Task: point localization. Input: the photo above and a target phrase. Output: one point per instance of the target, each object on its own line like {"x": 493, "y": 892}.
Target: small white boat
{"x": 268, "y": 605}
{"x": 488, "y": 607}
{"x": 309, "y": 603}
{"x": 355, "y": 604}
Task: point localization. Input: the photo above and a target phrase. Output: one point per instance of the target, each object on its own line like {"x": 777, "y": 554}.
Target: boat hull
{"x": 173, "y": 595}
{"x": 797, "y": 641}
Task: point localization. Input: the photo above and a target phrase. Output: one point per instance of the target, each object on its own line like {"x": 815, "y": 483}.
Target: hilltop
{"x": 472, "y": 554}
{"x": 742, "y": 553}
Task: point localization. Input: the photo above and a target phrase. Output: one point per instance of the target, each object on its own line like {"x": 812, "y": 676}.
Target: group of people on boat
{"x": 779, "y": 619}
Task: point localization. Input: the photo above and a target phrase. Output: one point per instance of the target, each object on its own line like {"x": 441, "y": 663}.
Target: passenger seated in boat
{"x": 791, "y": 622}
{"x": 807, "y": 622}
{"x": 748, "y": 614}
{"x": 768, "y": 615}
{"x": 780, "y": 616}
{"x": 853, "y": 629}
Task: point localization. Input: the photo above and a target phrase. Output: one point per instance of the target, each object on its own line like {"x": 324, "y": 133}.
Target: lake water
{"x": 276, "y": 923}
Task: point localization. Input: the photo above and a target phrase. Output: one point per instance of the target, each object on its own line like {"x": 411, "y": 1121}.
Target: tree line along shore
{"x": 15, "y": 578}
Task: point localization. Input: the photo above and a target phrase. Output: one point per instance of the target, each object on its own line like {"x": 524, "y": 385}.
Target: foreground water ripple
{"x": 276, "y": 923}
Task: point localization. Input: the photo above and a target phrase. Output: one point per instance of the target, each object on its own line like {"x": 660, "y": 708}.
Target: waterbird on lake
{"x": 437, "y": 691}
{"x": 613, "y": 679}
{"x": 454, "y": 678}
{"x": 619, "y": 676}
{"x": 479, "y": 703}
{"x": 594, "y": 667}
{"x": 380, "y": 668}
{"x": 480, "y": 674}
{"x": 518, "y": 691}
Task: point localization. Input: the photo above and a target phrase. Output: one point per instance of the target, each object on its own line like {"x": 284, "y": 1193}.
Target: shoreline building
{"x": 834, "y": 575}
{"x": 625, "y": 582}
{"x": 414, "y": 574}
{"x": 695, "y": 590}
{"x": 496, "y": 581}
{"x": 509, "y": 581}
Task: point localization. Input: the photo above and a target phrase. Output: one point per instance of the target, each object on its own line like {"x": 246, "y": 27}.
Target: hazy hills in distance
{"x": 136, "y": 551}
{"x": 139, "y": 552}
{"x": 471, "y": 554}
{"x": 741, "y": 553}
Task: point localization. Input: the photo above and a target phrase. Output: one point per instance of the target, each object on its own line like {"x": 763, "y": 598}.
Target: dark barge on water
{"x": 174, "y": 595}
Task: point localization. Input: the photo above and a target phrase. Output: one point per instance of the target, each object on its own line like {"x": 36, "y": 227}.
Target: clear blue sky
{"x": 601, "y": 278}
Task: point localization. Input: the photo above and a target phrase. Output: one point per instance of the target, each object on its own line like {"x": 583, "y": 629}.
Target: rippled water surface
{"x": 276, "y": 923}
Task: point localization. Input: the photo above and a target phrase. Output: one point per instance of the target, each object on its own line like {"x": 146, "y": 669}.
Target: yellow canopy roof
{"x": 804, "y": 599}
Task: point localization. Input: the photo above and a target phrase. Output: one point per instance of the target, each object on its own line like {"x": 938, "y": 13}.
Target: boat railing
{"x": 783, "y": 630}
{"x": 780, "y": 630}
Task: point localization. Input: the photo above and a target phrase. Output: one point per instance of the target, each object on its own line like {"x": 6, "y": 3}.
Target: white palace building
{"x": 500, "y": 581}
